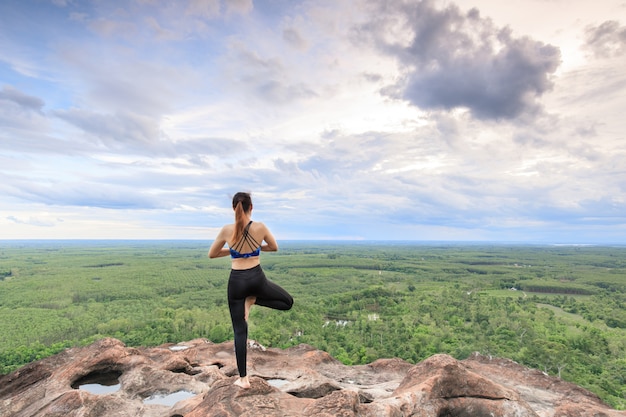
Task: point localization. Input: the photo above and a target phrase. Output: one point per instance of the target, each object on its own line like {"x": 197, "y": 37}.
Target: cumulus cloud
{"x": 607, "y": 39}
{"x": 451, "y": 59}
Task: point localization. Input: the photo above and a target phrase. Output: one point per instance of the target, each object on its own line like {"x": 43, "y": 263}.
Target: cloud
{"x": 294, "y": 38}
{"x": 163, "y": 33}
{"x": 31, "y": 221}
{"x": 21, "y": 116}
{"x": 148, "y": 24}
{"x": 204, "y": 8}
{"x": 114, "y": 77}
{"x": 142, "y": 138}
{"x": 111, "y": 28}
{"x": 23, "y": 100}
{"x": 112, "y": 130}
{"x": 268, "y": 79}
{"x": 88, "y": 192}
{"x": 238, "y": 6}
{"x": 212, "y": 9}
{"x": 606, "y": 40}
{"x": 452, "y": 59}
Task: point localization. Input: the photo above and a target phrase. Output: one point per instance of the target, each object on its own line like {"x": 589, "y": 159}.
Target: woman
{"x": 247, "y": 284}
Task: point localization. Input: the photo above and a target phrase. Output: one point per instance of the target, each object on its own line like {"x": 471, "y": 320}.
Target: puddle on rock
{"x": 169, "y": 399}
{"x": 99, "y": 382}
{"x": 277, "y": 382}
{"x": 100, "y": 389}
{"x": 178, "y": 348}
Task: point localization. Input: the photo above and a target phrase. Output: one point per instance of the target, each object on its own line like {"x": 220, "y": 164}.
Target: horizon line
{"x": 341, "y": 241}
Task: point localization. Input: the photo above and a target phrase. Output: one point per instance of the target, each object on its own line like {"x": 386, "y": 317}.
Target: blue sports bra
{"x": 246, "y": 240}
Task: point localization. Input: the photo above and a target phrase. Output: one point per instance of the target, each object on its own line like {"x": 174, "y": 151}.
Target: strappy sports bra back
{"x": 245, "y": 241}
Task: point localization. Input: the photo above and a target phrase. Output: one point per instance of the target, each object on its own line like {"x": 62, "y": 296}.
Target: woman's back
{"x": 245, "y": 252}
{"x": 247, "y": 245}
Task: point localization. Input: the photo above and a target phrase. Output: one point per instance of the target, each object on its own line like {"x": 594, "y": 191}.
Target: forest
{"x": 560, "y": 309}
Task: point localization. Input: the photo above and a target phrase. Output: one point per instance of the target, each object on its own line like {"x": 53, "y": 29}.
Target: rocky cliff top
{"x": 195, "y": 379}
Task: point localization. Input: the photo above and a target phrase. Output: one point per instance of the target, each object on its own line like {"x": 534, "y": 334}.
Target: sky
{"x": 459, "y": 120}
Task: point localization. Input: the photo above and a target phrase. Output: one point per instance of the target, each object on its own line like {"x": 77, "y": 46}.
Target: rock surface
{"x": 299, "y": 381}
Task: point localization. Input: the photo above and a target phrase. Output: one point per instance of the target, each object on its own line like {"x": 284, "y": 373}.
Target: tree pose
{"x": 247, "y": 284}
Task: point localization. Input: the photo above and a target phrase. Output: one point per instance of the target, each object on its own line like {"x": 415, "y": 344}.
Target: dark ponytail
{"x": 242, "y": 203}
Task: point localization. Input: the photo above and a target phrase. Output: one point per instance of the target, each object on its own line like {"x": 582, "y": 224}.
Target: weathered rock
{"x": 299, "y": 381}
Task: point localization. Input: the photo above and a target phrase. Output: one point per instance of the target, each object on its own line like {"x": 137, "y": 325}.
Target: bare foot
{"x": 243, "y": 382}
{"x": 249, "y": 302}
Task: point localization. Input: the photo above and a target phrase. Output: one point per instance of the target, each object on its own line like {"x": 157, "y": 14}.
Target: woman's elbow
{"x": 270, "y": 248}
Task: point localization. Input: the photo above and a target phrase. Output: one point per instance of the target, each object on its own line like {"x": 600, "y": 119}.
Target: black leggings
{"x": 251, "y": 283}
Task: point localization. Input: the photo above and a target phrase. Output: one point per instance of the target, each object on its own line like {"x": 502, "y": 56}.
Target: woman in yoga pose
{"x": 247, "y": 284}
